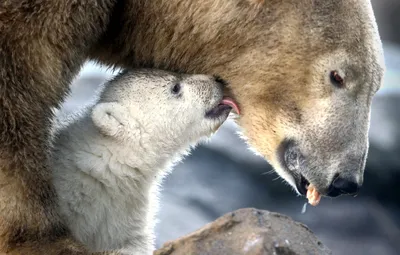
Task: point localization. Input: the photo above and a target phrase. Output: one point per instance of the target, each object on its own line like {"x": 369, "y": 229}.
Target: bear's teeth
{"x": 313, "y": 195}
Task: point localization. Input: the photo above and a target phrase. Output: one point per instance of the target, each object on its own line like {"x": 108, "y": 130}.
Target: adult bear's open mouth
{"x": 302, "y": 184}
{"x": 291, "y": 159}
{"x": 222, "y": 108}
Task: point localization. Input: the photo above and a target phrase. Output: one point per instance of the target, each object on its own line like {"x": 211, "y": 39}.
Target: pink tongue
{"x": 231, "y": 103}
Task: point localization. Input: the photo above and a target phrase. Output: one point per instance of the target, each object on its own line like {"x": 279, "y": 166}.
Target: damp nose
{"x": 344, "y": 186}
{"x": 221, "y": 82}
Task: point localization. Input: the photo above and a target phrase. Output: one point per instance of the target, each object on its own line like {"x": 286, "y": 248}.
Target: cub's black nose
{"x": 221, "y": 81}
{"x": 343, "y": 186}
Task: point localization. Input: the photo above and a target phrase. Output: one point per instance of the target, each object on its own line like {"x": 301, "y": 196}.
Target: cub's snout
{"x": 209, "y": 91}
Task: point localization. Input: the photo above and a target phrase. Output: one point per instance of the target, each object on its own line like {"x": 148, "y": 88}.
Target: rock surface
{"x": 248, "y": 231}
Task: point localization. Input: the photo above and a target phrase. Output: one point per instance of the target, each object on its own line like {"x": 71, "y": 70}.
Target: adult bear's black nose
{"x": 343, "y": 186}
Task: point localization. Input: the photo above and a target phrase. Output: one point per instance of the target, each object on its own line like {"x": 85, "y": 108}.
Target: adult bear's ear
{"x": 113, "y": 119}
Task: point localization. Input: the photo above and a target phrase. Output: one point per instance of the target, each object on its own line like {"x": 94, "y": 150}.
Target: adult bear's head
{"x": 303, "y": 71}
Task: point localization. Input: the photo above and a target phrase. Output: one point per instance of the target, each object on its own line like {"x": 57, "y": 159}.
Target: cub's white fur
{"x": 109, "y": 160}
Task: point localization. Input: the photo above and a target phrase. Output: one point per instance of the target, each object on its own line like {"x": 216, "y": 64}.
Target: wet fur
{"x": 267, "y": 50}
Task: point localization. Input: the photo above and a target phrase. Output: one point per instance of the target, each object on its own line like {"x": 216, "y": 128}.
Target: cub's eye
{"x": 176, "y": 88}
{"x": 336, "y": 79}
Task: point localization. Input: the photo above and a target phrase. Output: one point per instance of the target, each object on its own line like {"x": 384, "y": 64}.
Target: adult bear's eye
{"x": 176, "y": 88}
{"x": 336, "y": 79}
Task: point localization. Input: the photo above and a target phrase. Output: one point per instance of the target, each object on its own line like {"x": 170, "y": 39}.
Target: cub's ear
{"x": 113, "y": 119}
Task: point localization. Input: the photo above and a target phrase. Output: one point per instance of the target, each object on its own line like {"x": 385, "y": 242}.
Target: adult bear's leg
{"x": 29, "y": 221}
{"x": 43, "y": 44}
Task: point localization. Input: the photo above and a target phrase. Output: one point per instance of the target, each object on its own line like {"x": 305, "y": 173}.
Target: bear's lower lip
{"x": 224, "y": 107}
{"x": 229, "y": 101}
{"x": 290, "y": 159}
{"x": 218, "y": 111}
{"x": 302, "y": 185}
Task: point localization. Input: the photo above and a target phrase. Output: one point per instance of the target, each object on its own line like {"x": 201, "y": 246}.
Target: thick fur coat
{"x": 304, "y": 73}
{"x": 109, "y": 160}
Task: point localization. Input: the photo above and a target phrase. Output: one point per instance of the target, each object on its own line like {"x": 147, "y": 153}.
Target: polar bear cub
{"x": 109, "y": 161}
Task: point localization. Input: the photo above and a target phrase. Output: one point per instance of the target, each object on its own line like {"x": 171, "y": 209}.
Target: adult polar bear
{"x": 304, "y": 73}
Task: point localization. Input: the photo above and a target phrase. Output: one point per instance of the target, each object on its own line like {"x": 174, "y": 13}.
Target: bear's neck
{"x": 149, "y": 156}
{"x": 194, "y": 36}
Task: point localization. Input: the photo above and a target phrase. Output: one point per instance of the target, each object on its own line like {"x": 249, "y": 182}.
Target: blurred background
{"x": 224, "y": 175}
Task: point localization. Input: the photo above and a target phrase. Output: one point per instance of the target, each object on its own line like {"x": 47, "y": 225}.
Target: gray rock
{"x": 248, "y": 232}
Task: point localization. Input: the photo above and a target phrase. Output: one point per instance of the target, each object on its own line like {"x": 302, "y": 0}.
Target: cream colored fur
{"x": 109, "y": 161}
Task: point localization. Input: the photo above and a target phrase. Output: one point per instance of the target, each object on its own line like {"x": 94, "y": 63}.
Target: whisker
{"x": 277, "y": 178}
{"x": 268, "y": 172}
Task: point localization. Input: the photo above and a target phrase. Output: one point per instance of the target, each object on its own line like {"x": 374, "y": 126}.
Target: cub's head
{"x": 162, "y": 106}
